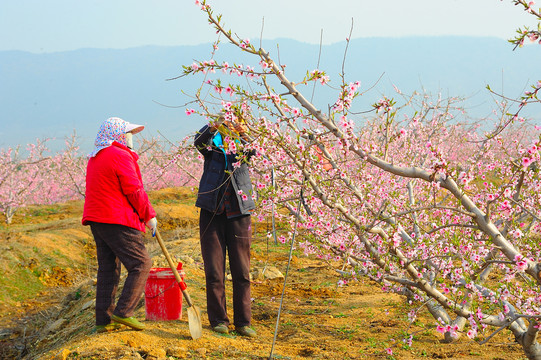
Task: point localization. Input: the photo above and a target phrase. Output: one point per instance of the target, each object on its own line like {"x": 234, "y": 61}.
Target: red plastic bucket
{"x": 163, "y": 298}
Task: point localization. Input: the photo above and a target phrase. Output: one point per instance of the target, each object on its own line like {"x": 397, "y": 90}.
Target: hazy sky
{"x": 60, "y": 25}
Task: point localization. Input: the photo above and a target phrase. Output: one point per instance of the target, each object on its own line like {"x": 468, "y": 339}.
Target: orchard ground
{"x": 48, "y": 269}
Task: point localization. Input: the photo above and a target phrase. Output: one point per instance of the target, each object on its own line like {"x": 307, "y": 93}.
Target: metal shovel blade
{"x": 194, "y": 315}
{"x": 194, "y": 322}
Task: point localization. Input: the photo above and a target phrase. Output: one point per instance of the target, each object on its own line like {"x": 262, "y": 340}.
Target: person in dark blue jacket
{"x": 225, "y": 226}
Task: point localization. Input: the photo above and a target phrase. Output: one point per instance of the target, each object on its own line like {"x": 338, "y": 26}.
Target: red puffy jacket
{"x": 114, "y": 189}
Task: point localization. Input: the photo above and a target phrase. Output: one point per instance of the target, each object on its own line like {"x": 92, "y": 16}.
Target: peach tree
{"x": 413, "y": 196}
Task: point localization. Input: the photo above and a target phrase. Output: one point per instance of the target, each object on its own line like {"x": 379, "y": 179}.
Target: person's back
{"x": 112, "y": 175}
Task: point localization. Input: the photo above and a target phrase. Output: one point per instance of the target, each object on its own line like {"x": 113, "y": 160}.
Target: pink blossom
{"x": 409, "y": 340}
{"x": 479, "y": 314}
{"x": 245, "y": 43}
{"x": 397, "y": 239}
{"x": 232, "y": 148}
{"x": 526, "y": 161}
{"x": 522, "y": 265}
{"x": 516, "y": 234}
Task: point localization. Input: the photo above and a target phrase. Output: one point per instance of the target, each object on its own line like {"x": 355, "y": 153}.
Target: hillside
{"x": 48, "y": 280}
{"x": 54, "y": 94}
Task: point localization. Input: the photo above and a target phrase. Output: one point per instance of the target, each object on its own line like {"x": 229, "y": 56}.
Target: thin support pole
{"x": 285, "y": 276}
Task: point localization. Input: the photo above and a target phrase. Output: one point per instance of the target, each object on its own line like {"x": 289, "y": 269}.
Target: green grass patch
{"x": 20, "y": 285}
{"x": 324, "y": 284}
{"x": 44, "y": 210}
{"x": 179, "y": 201}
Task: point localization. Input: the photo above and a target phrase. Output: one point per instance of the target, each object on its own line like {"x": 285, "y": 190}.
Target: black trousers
{"x": 219, "y": 235}
{"x": 116, "y": 244}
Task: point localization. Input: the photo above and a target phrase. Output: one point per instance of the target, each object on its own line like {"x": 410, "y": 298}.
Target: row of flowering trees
{"x": 415, "y": 198}
{"x": 35, "y": 176}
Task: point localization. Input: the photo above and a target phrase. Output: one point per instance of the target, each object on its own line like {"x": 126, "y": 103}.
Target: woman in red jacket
{"x": 117, "y": 209}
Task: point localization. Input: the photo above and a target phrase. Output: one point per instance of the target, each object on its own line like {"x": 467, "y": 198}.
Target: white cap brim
{"x": 134, "y": 128}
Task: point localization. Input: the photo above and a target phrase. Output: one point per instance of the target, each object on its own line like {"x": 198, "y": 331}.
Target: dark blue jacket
{"x": 215, "y": 175}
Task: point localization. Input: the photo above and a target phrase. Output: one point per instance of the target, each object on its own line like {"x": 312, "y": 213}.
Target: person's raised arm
{"x": 202, "y": 139}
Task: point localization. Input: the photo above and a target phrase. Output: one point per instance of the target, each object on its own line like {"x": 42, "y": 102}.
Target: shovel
{"x": 194, "y": 314}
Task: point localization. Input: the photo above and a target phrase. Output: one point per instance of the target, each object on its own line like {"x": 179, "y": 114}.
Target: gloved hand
{"x": 152, "y": 224}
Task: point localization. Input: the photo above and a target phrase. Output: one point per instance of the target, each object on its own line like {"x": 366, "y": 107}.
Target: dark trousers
{"x": 116, "y": 244}
{"x": 219, "y": 234}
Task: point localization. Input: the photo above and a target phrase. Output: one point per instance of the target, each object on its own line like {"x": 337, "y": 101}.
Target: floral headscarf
{"x": 112, "y": 129}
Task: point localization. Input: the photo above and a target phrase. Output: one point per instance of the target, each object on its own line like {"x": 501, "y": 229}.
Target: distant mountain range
{"x": 55, "y": 94}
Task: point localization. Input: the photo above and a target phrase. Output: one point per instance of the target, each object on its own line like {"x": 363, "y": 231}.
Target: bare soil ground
{"x": 47, "y": 305}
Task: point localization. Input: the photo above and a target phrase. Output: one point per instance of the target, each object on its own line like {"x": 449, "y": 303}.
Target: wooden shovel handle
{"x": 181, "y": 283}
